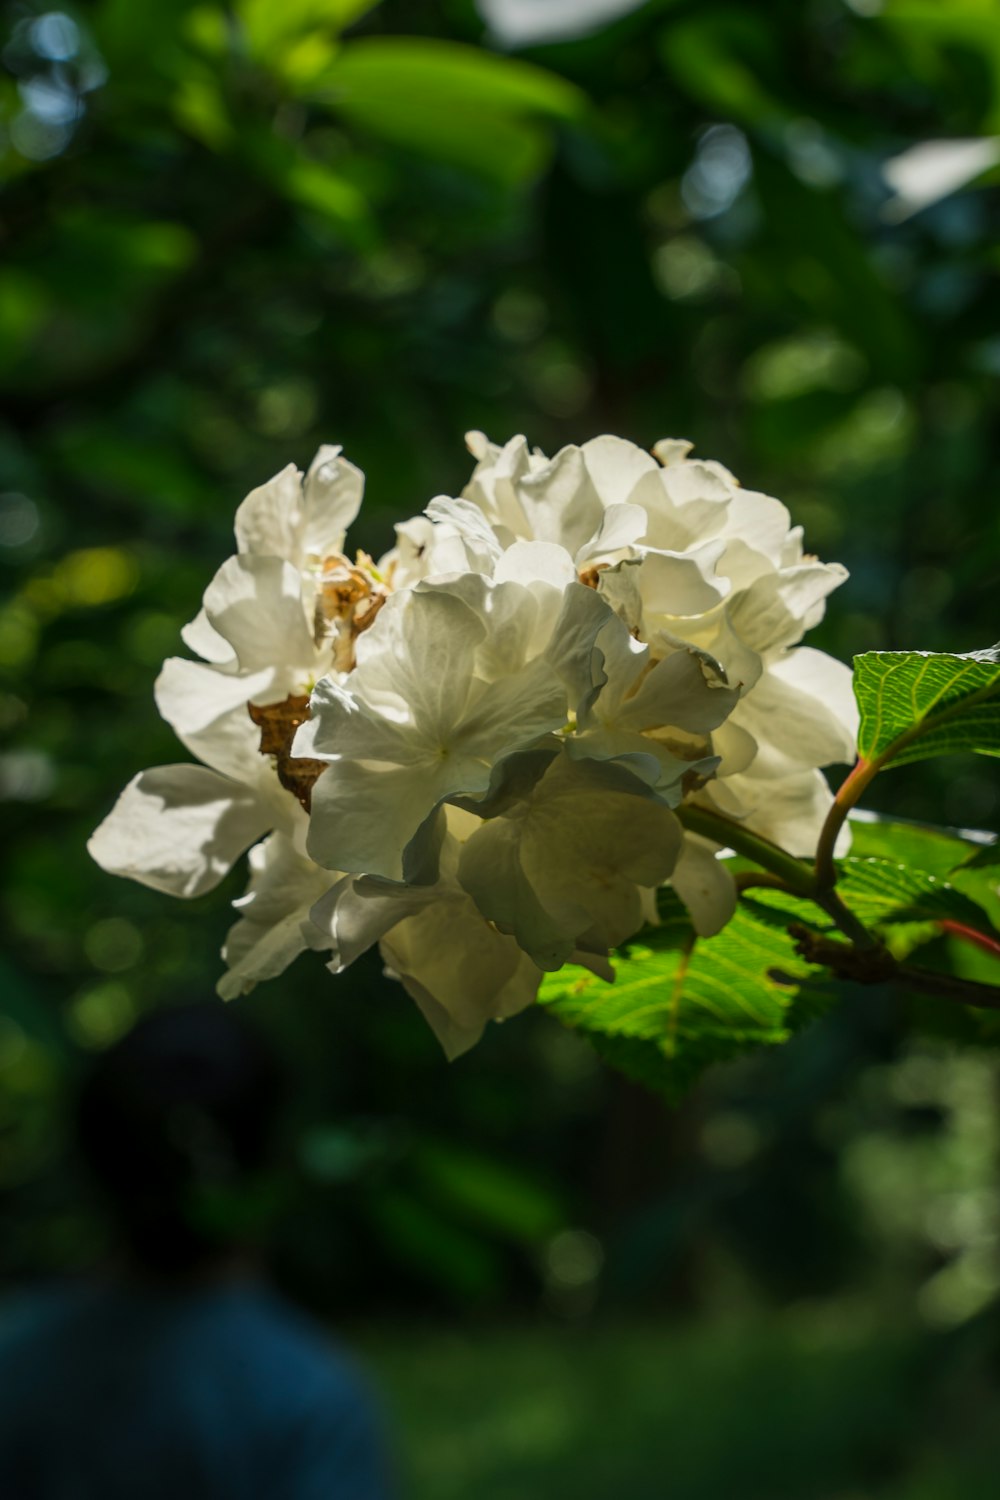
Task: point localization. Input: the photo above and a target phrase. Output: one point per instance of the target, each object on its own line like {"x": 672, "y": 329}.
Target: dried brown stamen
{"x": 277, "y": 723}
{"x": 347, "y": 601}
{"x": 590, "y": 577}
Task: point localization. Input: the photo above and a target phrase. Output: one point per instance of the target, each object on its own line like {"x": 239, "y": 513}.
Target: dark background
{"x": 216, "y": 252}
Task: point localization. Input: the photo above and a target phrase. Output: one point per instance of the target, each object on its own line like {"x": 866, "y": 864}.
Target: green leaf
{"x": 880, "y": 892}
{"x": 707, "y": 60}
{"x": 943, "y": 852}
{"x": 487, "y": 1192}
{"x": 916, "y": 704}
{"x": 987, "y": 857}
{"x": 270, "y": 28}
{"x": 448, "y": 101}
{"x": 923, "y": 846}
{"x": 680, "y": 1003}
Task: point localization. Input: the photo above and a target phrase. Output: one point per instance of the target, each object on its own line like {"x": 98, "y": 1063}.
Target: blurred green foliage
{"x": 233, "y": 232}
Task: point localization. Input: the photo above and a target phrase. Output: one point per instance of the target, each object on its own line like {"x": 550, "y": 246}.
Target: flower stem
{"x": 795, "y": 873}
{"x": 849, "y": 795}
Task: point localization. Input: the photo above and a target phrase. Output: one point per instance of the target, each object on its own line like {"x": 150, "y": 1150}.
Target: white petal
{"x": 255, "y": 603}
{"x": 207, "y": 710}
{"x": 830, "y": 683}
{"x": 621, "y": 526}
{"x": 562, "y": 869}
{"x": 178, "y": 829}
{"x": 704, "y": 885}
{"x": 331, "y": 499}
{"x": 355, "y": 914}
{"x": 536, "y": 562}
{"x": 616, "y": 466}
{"x": 685, "y": 503}
{"x": 509, "y": 715}
{"x": 461, "y": 972}
{"x": 268, "y": 520}
{"x": 790, "y": 810}
{"x": 682, "y": 691}
{"x": 639, "y": 754}
{"x": 735, "y": 745}
{"x": 480, "y": 550}
{"x": 778, "y": 609}
{"x": 365, "y": 817}
{"x": 574, "y": 651}
{"x": 199, "y": 636}
{"x": 801, "y": 713}
{"x": 275, "y": 926}
{"x": 678, "y": 584}
{"x": 671, "y": 450}
{"x": 372, "y": 723}
{"x": 559, "y": 501}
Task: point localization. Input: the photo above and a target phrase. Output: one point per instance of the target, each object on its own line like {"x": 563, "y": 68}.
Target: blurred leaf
{"x": 986, "y": 858}
{"x": 443, "y": 1253}
{"x": 272, "y": 28}
{"x": 505, "y": 1199}
{"x": 704, "y": 56}
{"x": 200, "y": 109}
{"x": 449, "y": 101}
{"x": 916, "y": 704}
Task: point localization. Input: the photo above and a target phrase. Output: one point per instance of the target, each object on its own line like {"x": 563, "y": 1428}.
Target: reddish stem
{"x": 990, "y": 945}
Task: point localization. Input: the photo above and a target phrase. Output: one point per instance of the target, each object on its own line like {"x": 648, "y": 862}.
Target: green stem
{"x": 747, "y": 880}
{"x": 864, "y": 956}
{"x": 864, "y": 774}
{"x": 849, "y": 795}
{"x": 722, "y": 830}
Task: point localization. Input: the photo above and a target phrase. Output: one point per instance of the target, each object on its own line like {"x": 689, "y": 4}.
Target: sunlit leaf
{"x": 679, "y": 1004}
{"x": 916, "y": 704}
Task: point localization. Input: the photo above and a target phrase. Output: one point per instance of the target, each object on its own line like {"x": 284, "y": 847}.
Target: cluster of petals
{"x": 471, "y": 752}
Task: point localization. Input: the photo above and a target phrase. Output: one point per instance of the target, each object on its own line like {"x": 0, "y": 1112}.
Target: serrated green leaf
{"x": 880, "y": 893}
{"x": 920, "y": 845}
{"x": 915, "y": 704}
{"x": 937, "y": 851}
{"x": 679, "y": 1004}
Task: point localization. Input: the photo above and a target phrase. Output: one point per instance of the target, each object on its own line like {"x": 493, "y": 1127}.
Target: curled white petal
{"x": 274, "y": 926}
{"x": 179, "y": 829}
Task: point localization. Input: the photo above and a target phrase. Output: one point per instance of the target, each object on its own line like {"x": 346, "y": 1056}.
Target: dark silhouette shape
{"x": 180, "y": 1374}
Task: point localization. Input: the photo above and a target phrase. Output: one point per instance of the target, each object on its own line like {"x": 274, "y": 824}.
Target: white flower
{"x": 711, "y": 567}
{"x": 288, "y": 607}
{"x": 454, "y": 678}
{"x": 302, "y": 519}
{"x": 470, "y": 753}
{"x": 654, "y": 717}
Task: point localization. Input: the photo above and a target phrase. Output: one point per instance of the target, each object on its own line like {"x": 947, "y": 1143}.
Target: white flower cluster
{"x": 470, "y": 751}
